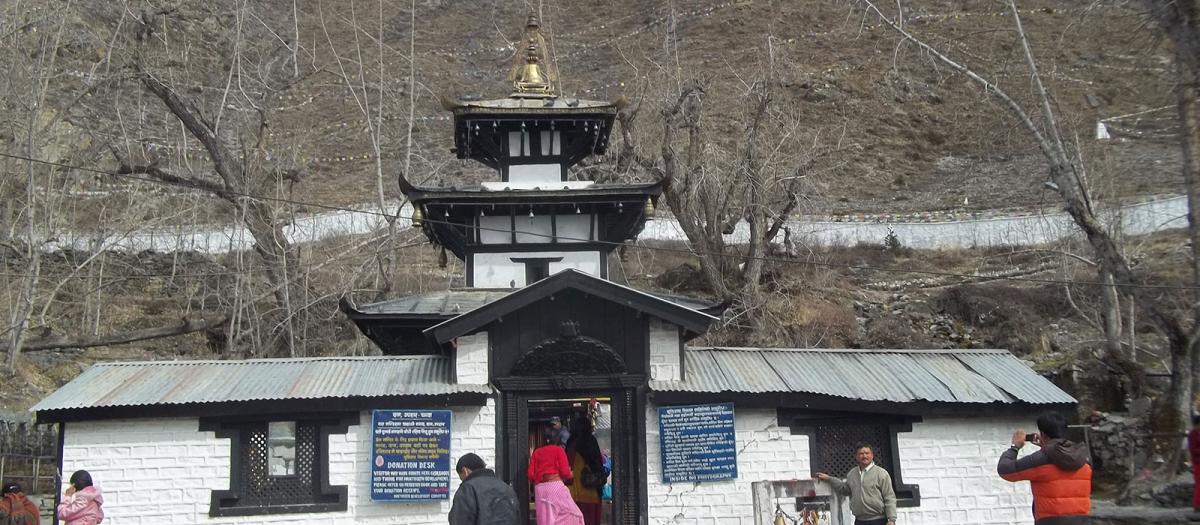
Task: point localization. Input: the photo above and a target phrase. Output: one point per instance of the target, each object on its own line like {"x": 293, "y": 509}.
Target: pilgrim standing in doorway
{"x": 81, "y": 501}
{"x": 587, "y": 469}
{"x": 549, "y": 472}
{"x": 564, "y": 435}
{"x": 15, "y": 508}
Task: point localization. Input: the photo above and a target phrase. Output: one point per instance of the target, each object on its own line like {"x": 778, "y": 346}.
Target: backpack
{"x": 593, "y": 480}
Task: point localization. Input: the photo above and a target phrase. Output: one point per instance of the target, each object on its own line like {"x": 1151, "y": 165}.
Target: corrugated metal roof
{"x": 455, "y": 301}
{"x": 441, "y": 303}
{"x": 902, "y": 376}
{"x": 179, "y": 382}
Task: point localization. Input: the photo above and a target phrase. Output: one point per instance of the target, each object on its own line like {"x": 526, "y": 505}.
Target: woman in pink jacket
{"x": 81, "y": 502}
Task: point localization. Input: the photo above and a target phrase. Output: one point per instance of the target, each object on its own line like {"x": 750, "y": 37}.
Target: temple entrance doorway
{"x": 528, "y": 422}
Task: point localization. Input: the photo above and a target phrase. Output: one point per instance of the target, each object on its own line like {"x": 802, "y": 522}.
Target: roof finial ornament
{"x": 531, "y": 74}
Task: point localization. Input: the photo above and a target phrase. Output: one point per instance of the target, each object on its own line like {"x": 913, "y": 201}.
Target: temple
{"x": 540, "y": 333}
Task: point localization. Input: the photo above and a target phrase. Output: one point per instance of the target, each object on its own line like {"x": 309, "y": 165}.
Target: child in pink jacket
{"x": 81, "y": 502}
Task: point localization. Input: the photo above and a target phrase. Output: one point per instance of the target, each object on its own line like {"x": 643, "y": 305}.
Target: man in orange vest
{"x": 1060, "y": 473}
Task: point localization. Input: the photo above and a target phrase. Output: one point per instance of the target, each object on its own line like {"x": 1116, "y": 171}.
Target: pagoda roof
{"x": 691, "y": 320}
{"x": 559, "y": 106}
{"x": 551, "y": 193}
{"x": 447, "y": 304}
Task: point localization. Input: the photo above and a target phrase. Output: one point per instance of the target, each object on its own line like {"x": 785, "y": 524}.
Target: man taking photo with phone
{"x": 1060, "y": 473}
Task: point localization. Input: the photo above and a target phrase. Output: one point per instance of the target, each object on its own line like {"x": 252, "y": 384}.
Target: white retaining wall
{"x": 952, "y": 460}
{"x": 1016, "y": 230}
{"x": 162, "y": 471}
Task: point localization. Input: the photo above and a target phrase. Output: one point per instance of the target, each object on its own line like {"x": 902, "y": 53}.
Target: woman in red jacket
{"x": 548, "y": 471}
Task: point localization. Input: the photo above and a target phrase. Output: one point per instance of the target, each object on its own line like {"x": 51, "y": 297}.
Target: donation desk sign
{"x": 698, "y": 443}
{"x": 410, "y": 459}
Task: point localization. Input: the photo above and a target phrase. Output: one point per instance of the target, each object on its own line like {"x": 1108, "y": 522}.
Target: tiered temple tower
{"x": 533, "y": 221}
{"x": 530, "y": 223}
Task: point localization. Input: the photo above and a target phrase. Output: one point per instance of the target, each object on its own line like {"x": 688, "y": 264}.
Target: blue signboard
{"x": 410, "y": 455}
{"x": 698, "y": 443}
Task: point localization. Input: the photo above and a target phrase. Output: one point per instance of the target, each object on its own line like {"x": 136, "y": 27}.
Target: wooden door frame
{"x": 628, "y": 394}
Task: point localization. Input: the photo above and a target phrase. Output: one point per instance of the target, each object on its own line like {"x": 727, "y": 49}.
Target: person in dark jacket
{"x": 482, "y": 498}
{"x": 1060, "y": 473}
{"x": 583, "y": 453}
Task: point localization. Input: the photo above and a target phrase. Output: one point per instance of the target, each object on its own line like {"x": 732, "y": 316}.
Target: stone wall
{"x": 29, "y": 455}
{"x": 953, "y": 461}
{"x": 162, "y": 471}
{"x": 766, "y": 451}
{"x": 664, "y": 351}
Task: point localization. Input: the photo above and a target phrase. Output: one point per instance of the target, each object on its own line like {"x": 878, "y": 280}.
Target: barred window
{"x": 278, "y": 466}
{"x": 832, "y": 438}
{"x": 835, "y": 447}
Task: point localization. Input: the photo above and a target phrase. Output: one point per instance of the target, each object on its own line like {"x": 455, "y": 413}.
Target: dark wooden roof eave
{"x": 427, "y": 195}
{"x": 262, "y": 407}
{"x": 608, "y": 111}
{"x": 820, "y": 402}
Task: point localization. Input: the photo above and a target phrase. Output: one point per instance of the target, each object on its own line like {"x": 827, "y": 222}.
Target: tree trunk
{"x": 281, "y": 263}
{"x": 1180, "y": 20}
{"x": 1188, "y": 98}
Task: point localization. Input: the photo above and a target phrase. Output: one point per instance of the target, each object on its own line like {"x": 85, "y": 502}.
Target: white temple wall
{"x": 538, "y": 229}
{"x": 497, "y": 270}
{"x": 522, "y": 176}
{"x": 952, "y": 460}
{"x": 162, "y": 471}
{"x": 766, "y": 451}
{"x": 665, "y": 351}
{"x": 471, "y": 359}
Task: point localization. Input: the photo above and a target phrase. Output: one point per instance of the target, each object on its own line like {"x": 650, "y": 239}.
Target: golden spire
{"x": 531, "y": 73}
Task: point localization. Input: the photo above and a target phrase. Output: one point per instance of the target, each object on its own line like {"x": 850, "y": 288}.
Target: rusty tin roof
{"x": 898, "y": 376}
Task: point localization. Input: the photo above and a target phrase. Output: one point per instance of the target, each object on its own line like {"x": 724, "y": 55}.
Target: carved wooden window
{"x": 832, "y": 442}
{"x": 278, "y": 466}
{"x": 282, "y": 447}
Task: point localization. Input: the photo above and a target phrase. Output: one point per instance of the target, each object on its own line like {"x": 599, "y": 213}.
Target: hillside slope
{"x": 923, "y": 137}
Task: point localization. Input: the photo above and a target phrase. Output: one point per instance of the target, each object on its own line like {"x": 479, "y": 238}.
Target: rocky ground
{"x": 1108, "y": 513}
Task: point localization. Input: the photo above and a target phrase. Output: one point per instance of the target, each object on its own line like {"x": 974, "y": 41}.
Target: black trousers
{"x": 881, "y": 521}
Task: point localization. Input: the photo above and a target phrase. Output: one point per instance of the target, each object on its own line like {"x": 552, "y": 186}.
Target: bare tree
{"x": 1067, "y": 177}
{"x": 711, "y": 188}
{"x": 31, "y": 98}
{"x": 1179, "y": 21}
{"x": 234, "y": 135}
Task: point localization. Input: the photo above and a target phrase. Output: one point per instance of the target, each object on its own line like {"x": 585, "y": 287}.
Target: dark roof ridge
{"x": 946, "y": 351}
